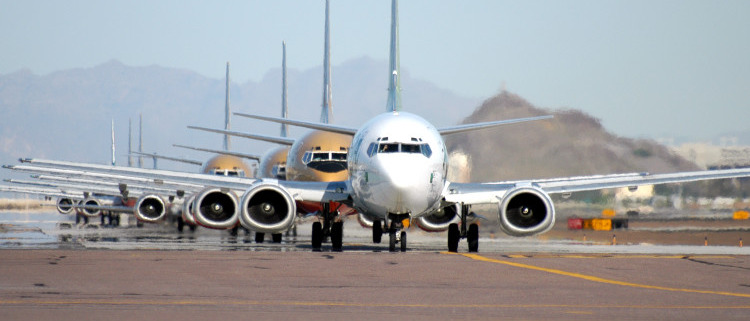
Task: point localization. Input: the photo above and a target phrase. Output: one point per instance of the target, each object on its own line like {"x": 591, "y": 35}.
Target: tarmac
{"x": 53, "y": 271}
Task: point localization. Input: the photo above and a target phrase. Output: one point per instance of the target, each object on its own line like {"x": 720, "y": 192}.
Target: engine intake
{"x": 90, "y": 211}
{"x": 150, "y": 208}
{"x": 526, "y": 211}
{"x": 439, "y": 220}
{"x": 65, "y": 205}
{"x": 216, "y": 208}
{"x": 267, "y": 208}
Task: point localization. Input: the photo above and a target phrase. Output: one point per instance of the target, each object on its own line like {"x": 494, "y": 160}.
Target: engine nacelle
{"x": 267, "y": 208}
{"x": 526, "y": 211}
{"x": 150, "y": 208}
{"x": 90, "y": 212}
{"x": 65, "y": 205}
{"x": 188, "y": 215}
{"x": 365, "y": 220}
{"x": 439, "y": 220}
{"x": 216, "y": 208}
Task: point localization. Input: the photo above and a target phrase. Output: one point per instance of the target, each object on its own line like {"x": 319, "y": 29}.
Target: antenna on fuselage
{"x": 326, "y": 115}
{"x": 394, "y": 82}
{"x": 227, "y": 114}
{"x": 284, "y": 112}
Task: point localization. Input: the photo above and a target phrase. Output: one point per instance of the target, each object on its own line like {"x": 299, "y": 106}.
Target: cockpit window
{"x": 411, "y": 148}
{"x": 227, "y": 172}
{"x": 422, "y": 148}
{"x": 388, "y": 148}
{"x": 325, "y": 161}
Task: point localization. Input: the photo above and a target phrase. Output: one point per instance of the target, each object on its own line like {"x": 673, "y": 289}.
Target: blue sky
{"x": 646, "y": 68}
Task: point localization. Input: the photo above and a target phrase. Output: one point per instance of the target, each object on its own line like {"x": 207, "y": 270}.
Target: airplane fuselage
{"x": 397, "y": 165}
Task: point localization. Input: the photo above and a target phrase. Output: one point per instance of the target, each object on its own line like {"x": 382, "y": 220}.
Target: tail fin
{"x": 140, "y": 140}
{"x": 130, "y": 142}
{"x": 394, "y": 83}
{"x": 227, "y": 114}
{"x": 113, "y": 142}
{"x": 284, "y": 112}
{"x": 326, "y": 115}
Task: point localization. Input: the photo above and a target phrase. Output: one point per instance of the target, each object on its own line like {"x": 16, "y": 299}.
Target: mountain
{"x": 571, "y": 144}
{"x": 67, "y": 114}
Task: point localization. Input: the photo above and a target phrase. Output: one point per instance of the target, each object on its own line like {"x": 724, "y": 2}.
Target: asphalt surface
{"x": 54, "y": 271}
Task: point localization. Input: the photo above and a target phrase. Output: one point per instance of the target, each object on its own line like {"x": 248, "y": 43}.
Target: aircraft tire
{"x": 453, "y": 237}
{"x": 403, "y": 241}
{"x": 377, "y": 232}
{"x": 259, "y": 237}
{"x": 473, "y": 238}
{"x": 276, "y": 237}
{"x": 392, "y": 243}
{"x": 317, "y": 236}
{"x": 337, "y": 236}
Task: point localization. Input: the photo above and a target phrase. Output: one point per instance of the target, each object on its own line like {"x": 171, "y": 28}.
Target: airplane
{"x": 316, "y": 156}
{"x": 397, "y": 165}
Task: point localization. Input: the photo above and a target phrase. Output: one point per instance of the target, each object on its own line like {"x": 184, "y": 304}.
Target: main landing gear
{"x": 330, "y": 227}
{"x": 455, "y": 234}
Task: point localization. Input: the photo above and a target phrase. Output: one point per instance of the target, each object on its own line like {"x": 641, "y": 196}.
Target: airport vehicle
{"x": 397, "y": 164}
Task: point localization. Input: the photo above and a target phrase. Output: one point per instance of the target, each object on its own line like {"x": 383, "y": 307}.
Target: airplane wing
{"x": 479, "y": 193}
{"x": 475, "y": 126}
{"x": 189, "y": 182}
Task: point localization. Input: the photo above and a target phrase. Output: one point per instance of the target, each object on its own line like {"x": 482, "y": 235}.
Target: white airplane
{"x": 397, "y": 164}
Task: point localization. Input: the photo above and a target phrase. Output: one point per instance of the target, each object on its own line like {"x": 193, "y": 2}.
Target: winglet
{"x": 394, "y": 82}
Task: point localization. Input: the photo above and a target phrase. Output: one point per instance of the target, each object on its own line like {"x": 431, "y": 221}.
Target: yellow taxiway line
{"x": 598, "y": 279}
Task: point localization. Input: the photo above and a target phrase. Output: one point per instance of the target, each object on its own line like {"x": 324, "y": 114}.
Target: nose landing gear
{"x": 395, "y": 231}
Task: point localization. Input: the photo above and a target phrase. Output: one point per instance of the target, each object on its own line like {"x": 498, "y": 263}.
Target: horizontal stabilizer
{"x": 176, "y": 159}
{"x": 222, "y": 152}
{"x": 319, "y": 126}
{"x": 272, "y": 139}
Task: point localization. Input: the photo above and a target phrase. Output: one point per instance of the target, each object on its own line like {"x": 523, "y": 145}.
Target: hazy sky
{"x": 646, "y": 68}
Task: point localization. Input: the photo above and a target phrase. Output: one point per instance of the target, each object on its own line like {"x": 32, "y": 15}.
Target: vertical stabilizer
{"x": 227, "y": 114}
{"x": 130, "y": 142}
{"x": 284, "y": 101}
{"x": 394, "y": 82}
{"x": 326, "y": 115}
{"x": 140, "y": 140}
{"x": 113, "y": 142}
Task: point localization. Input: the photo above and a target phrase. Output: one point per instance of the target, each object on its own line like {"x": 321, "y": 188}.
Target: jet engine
{"x": 365, "y": 220}
{"x": 90, "y": 212}
{"x": 216, "y": 208}
{"x": 526, "y": 211}
{"x": 188, "y": 215}
{"x": 65, "y": 205}
{"x": 439, "y": 220}
{"x": 267, "y": 208}
{"x": 150, "y": 208}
